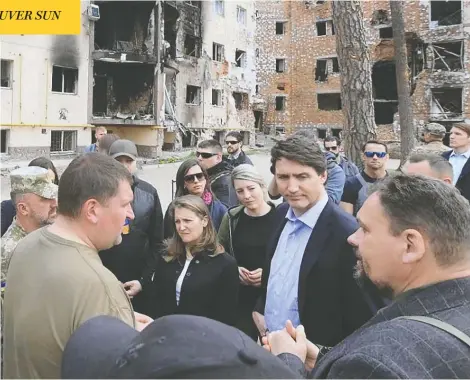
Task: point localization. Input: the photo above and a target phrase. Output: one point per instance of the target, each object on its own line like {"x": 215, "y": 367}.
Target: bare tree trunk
{"x": 405, "y": 107}
{"x": 356, "y": 77}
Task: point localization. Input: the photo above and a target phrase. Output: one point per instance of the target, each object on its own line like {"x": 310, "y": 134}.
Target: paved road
{"x": 161, "y": 176}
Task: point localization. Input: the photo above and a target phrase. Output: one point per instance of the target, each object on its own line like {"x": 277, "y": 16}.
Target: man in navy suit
{"x": 308, "y": 278}
{"x": 459, "y": 157}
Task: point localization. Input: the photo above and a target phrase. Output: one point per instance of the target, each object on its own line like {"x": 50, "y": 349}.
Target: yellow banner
{"x": 40, "y": 17}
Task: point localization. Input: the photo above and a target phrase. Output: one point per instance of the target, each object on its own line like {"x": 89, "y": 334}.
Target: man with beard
{"x": 34, "y": 197}
{"x": 209, "y": 155}
{"x": 236, "y": 156}
{"x": 56, "y": 280}
{"x": 413, "y": 243}
{"x": 375, "y": 157}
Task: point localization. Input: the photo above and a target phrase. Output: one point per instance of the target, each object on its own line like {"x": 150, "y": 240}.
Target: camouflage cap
{"x": 435, "y": 129}
{"x": 33, "y": 180}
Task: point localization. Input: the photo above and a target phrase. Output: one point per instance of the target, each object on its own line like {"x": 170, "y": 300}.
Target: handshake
{"x": 293, "y": 341}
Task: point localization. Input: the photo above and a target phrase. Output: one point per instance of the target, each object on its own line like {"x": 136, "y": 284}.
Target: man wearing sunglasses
{"x": 236, "y": 156}
{"x": 375, "y": 157}
{"x": 209, "y": 155}
{"x": 332, "y": 144}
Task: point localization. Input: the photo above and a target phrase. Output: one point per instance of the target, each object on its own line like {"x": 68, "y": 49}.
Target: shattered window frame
{"x": 63, "y": 139}
{"x": 193, "y": 95}
{"x": 66, "y": 78}
{"x": 281, "y": 28}
{"x": 6, "y": 73}
{"x": 280, "y": 102}
{"x": 321, "y": 101}
{"x": 218, "y": 96}
{"x": 241, "y": 15}
{"x": 321, "y": 70}
{"x": 442, "y": 61}
{"x": 241, "y": 60}
{"x": 219, "y": 7}
{"x": 218, "y": 52}
{"x": 335, "y": 65}
{"x": 447, "y": 20}
{"x": 196, "y": 51}
{"x": 446, "y": 113}
{"x": 281, "y": 65}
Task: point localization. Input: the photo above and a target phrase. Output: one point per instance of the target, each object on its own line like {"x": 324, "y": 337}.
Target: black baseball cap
{"x": 176, "y": 346}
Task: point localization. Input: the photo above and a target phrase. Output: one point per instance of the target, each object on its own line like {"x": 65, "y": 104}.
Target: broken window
{"x": 446, "y": 103}
{"x": 445, "y": 13}
{"x": 240, "y": 58}
{"x": 319, "y": 2}
{"x": 321, "y": 71}
{"x": 216, "y": 97}
{"x": 217, "y": 52}
{"x": 257, "y": 52}
{"x": 191, "y": 45}
{"x": 321, "y": 133}
{"x": 447, "y": 56}
{"x": 170, "y": 27}
{"x": 321, "y": 28}
{"x": 257, "y": 89}
{"x": 193, "y": 94}
{"x": 380, "y": 17}
{"x": 384, "y": 82}
{"x": 281, "y": 86}
{"x": 335, "y": 65}
{"x": 219, "y": 7}
{"x": 386, "y": 33}
{"x": 384, "y": 111}
{"x": 280, "y": 65}
{"x": 280, "y": 27}
{"x": 241, "y": 100}
{"x": 329, "y": 102}
{"x": 116, "y": 95}
{"x": 336, "y": 132}
{"x": 6, "y": 68}
{"x": 63, "y": 141}
{"x": 125, "y": 26}
{"x": 325, "y": 28}
{"x": 241, "y": 15}
{"x": 4, "y": 141}
{"x": 280, "y": 103}
{"x": 64, "y": 79}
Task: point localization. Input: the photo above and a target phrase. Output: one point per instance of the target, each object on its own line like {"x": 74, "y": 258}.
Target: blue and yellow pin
{"x": 126, "y": 227}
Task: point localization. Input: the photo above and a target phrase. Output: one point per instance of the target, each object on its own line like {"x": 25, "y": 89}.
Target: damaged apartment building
{"x": 125, "y": 72}
{"x": 209, "y": 70}
{"x": 299, "y": 76}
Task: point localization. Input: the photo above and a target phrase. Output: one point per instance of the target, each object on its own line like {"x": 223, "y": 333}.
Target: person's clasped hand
{"x": 141, "y": 321}
{"x": 132, "y": 288}
{"x": 293, "y": 341}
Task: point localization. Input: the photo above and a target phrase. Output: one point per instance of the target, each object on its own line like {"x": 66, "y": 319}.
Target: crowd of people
{"x": 356, "y": 274}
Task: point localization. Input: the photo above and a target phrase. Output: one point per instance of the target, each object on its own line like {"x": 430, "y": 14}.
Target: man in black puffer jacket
{"x": 209, "y": 155}
{"x": 135, "y": 257}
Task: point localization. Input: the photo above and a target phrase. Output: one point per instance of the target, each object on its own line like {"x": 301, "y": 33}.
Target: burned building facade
{"x": 299, "y": 76}
{"x": 125, "y": 72}
{"x": 209, "y": 69}
{"x": 44, "y": 93}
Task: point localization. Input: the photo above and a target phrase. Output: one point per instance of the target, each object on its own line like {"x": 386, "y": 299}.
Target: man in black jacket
{"x": 414, "y": 243}
{"x": 142, "y": 237}
{"x": 209, "y": 155}
{"x": 236, "y": 156}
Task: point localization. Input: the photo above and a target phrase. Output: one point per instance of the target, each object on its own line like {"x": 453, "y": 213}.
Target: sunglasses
{"x": 231, "y": 142}
{"x": 192, "y": 177}
{"x": 328, "y": 148}
{"x": 205, "y": 155}
{"x": 372, "y": 154}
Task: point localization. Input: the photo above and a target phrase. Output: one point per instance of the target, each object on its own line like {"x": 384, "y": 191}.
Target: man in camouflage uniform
{"x": 433, "y": 134}
{"x": 34, "y": 197}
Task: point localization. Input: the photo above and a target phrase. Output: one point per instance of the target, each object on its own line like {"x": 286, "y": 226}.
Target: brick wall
{"x": 301, "y": 47}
